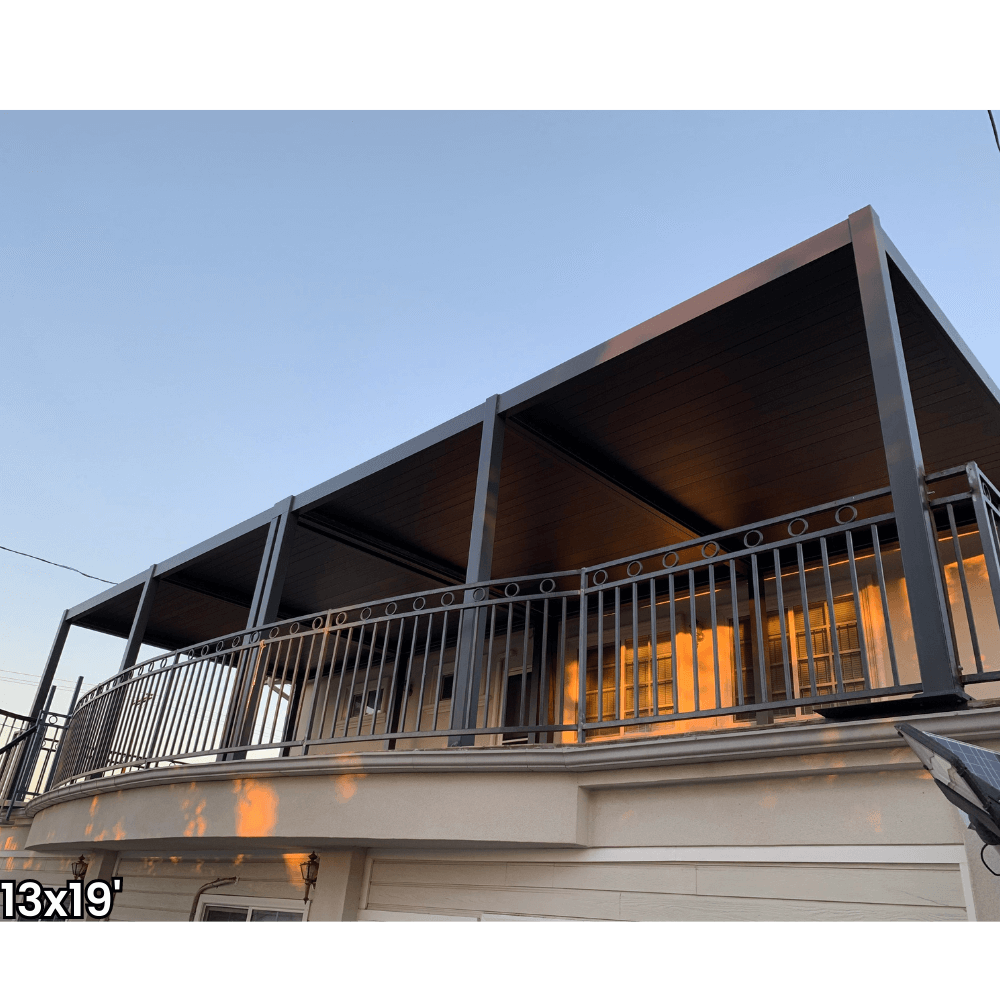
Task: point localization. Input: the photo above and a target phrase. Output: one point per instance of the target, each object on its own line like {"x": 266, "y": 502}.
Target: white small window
{"x": 250, "y": 909}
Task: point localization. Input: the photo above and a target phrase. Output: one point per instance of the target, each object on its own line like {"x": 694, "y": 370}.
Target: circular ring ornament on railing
{"x": 638, "y": 568}
{"x": 317, "y": 623}
{"x": 293, "y": 628}
{"x": 714, "y": 546}
{"x": 479, "y": 594}
{"x": 238, "y": 641}
{"x": 802, "y": 530}
{"x": 547, "y": 586}
{"x": 748, "y": 543}
{"x": 845, "y": 520}
{"x": 366, "y": 613}
{"x": 220, "y": 646}
{"x": 670, "y": 565}
{"x": 390, "y": 608}
{"x": 511, "y": 590}
{"x": 274, "y": 632}
{"x": 603, "y": 574}
{"x": 255, "y": 637}
{"x": 342, "y": 617}
{"x": 447, "y": 600}
{"x": 418, "y": 604}
{"x": 204, "y": 650}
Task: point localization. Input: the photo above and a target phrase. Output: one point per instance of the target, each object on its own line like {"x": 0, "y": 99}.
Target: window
{"x": 664, "y": 676}
{"x": 216, "y": 909}
{"x": 848, "y": 641}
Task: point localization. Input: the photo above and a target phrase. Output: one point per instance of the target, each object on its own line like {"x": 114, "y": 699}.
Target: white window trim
{"x": 256, "y": 902}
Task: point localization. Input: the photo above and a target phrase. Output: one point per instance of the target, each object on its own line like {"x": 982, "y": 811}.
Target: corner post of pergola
{"x": 904, "y": 460}
{"x": 472, "y": 630}
{"x": 137, "y": 633}
{"x": 274, "y": 566}
{"x": 263, "y": 611}
{"x": 51, "y": 665}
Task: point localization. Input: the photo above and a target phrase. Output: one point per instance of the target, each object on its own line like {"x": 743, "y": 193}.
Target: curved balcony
{"x": 763, "y": 624}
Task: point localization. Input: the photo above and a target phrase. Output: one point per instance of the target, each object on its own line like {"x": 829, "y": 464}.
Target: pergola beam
{"x": 405, "y": 557}
{"x": 616, "y": 477}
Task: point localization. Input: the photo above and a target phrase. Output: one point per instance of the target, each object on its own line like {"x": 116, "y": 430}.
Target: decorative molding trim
{"x": 780, "y": 741}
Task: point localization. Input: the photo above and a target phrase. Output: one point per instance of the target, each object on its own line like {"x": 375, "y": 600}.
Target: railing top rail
{"x": 317, "y": 621}
{"x": 745, "y": 528}
{"x": 14, "y": 715}
{"x": 955, "y": 470}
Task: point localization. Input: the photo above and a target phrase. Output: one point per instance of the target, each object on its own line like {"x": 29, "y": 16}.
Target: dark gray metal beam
{"x": 209, "y": 589}
{"x": 51, "y": 665}
{"x": 321, "y": 493}
{"x": 526, "y": 394}
{"x": 935, "y": 310}
{"x": 616, "y": 477}
{"x": 407, "y": 558}
{"x": 140, "y": 620}
{"x": 265, "y": 562}
{"x": 465, "y": 688}
{"x": 917, "y": 537}
{"x": 278, "y": 556}
{"x": 484, "y": 510}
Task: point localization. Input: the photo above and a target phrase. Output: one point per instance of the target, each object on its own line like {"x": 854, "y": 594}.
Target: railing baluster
{"x": 354, "y": 678}
{"x": 635, "y": 651}
{"x": 618, "y": 653}
{"x": 311, "y": 717}
{"x": 340, "y": 683}
{"x": 807, "y": 624}
{"x": 859, "y": 618}
{"x": 693, "y": 611}
{"x": 737, "y": 653}
{"x": 673, "y": 644}
{"x": 654, "y": 670}
{"x": 378, "y": 683}
{"x": 885, "y": 607}
{"x": 760, "y": 695}
{"x": 785, "y": 653}
{"x": 524, "y": 662}
{"x": 715, "y": 635}
{"x": 965, "y": 589}
{"x": 440, "y": 676}
{"x": 488, "y": 682}
{"x": 832, "y": 617}
{"x": 543, "y": 701}
{"x": 364, "y": 686}
{"x": 600, "y": 656}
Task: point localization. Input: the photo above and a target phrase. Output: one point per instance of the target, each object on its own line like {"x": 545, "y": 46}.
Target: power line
{"x": 994, "y": 124}
{"x": 28, "y": 555}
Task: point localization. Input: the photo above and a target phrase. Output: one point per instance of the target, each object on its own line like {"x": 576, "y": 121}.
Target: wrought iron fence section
{"x": 759, "y": 624}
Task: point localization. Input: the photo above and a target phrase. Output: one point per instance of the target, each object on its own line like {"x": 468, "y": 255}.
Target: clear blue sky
{"x": 203, "y": 313}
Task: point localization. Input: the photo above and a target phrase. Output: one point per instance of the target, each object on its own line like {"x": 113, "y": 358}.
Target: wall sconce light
{"x": 310, "y": 872}
{"x": 80, "y": 868}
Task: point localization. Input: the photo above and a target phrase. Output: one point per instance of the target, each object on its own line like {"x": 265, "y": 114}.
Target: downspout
{"x": 214, "y": 884}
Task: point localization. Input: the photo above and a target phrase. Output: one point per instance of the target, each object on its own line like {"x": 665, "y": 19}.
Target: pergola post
{"x": 465, "y": 688}
{"x": 51, "y": 665}
{"x": 140, "y": 620}
{"x": 273, "y": 567}
{"x": 917, "y": 535}
{"x": 263, "y": 611}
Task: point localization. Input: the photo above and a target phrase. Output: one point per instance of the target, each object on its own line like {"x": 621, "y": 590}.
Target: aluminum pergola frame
{"x": 900, "y": 439}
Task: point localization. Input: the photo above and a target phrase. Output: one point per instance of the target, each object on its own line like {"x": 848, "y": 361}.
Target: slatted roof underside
{"x": 759, "y": 407}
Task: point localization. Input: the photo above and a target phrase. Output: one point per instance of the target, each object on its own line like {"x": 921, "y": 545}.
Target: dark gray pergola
{"x": 825, "y": 371}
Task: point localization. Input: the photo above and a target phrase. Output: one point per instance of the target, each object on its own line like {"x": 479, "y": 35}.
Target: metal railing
{"x": 29, "y": 752}
{"x": 756, "y": 625}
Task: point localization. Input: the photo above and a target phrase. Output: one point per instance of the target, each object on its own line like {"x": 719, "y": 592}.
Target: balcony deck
{"x": 765, "y": 624}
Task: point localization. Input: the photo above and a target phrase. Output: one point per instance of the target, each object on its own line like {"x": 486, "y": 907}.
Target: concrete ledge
{"x": 819, "y": 741}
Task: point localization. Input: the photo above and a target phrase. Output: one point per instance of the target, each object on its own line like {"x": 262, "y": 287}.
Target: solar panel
{"x": 982, "y": 764}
